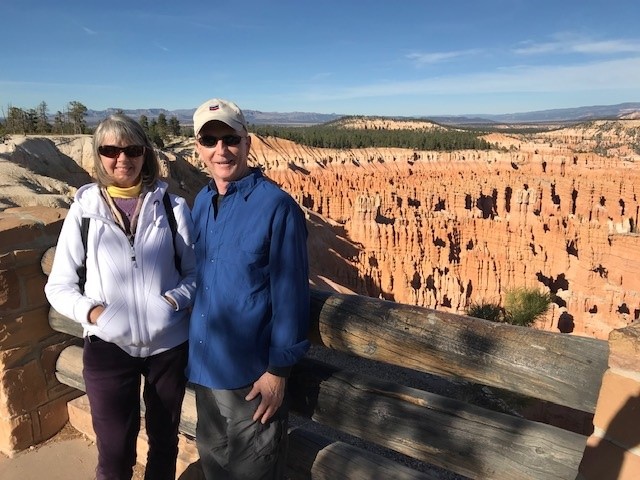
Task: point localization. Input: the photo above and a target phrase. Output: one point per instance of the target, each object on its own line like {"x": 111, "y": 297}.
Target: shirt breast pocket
{"x": 252, "y": 241}
{"x": 252, "y": 268}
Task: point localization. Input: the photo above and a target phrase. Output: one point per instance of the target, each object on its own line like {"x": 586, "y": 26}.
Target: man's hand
{"x": 271, "y": 390}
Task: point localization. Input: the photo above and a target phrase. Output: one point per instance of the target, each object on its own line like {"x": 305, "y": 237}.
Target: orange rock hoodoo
{"x": 444, "y": 230}
{"x": 556, "y": 210}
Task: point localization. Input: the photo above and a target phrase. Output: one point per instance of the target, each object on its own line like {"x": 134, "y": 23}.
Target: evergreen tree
{"x": 144, "y": 122}
{"x": 42, "y": 122}
{"x": 77, "y": 112}
{"x": 59, "y": 123}
{"x": 31, "y": 120}
{"x": 174, "y": 126}
{"x": 16, "y": 121}
{"x": 162, "y": 128}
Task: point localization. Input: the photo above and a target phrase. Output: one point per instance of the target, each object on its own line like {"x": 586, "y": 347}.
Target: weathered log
{"x": 63, "y": 324}
{"x": 313, "y": 456}
{"x": 46, "y": 262}
{"x": 309, "y": 453}
{"x": 454, "y": 435}
{"x": 560, "y": 368}
{"x": 457, "y": 436}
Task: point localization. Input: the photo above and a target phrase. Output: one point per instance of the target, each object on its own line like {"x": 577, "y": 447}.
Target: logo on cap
{"x": 214, "y": 107}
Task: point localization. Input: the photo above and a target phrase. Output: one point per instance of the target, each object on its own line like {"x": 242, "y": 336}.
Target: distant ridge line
{"x": 257, "y": 117}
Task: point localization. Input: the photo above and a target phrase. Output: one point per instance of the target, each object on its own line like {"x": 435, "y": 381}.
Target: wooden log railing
{"x": 563, "y": 369}
{"x": 457, "y": 436}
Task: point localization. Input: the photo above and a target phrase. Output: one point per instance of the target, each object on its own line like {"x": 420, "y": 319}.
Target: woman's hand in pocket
{"x": 94, "y": 313}
{"x": 171, "y": 302}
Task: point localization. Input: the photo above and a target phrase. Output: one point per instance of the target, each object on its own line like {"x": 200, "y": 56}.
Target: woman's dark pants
{"x": 112, "y": 382}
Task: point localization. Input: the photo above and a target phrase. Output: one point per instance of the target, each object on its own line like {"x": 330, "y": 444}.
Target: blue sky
{"x": 403, "y": 57}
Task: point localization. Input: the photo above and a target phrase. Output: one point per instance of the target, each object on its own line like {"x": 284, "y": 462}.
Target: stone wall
{"x": 33, "y": 404}
{"x": 613, "y": 450}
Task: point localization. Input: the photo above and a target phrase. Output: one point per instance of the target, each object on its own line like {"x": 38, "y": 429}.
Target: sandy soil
{"x": 69, "y": 455}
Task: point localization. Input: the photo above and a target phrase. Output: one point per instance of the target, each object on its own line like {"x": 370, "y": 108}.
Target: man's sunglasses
{"x": 112, "y": 151}
{"x": 211, "y": 141}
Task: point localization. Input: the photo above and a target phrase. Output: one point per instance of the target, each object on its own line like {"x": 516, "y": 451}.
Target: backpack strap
{"x": 171, "y": 218}
{"x": 82, "y": 269}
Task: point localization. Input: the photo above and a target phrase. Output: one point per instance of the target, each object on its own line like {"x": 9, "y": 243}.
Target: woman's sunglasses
{"x": 112, "y": 151}
{"x": 211, "y": 141}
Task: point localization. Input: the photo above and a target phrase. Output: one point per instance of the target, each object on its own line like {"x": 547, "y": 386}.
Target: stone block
{"x": 23, "y": 389}
{"x": 27, "y": 257}
{"x": 51, "y": 418}
{"x": 9, "y": 290}
{"x": 38, "y": 214}
{"x": 17, "y": 232}
{"x": 16, "y": 434}
{"x": 33, "y": 289}
{"x": 12, "y": 357}
{"x": 80, "y": 416}
{"x": 7, "y": 261}
{"x": 618, "y": 409}
{"x": 26, "y": 329}
{"x": 62, "y": 391}
{"x": 605, "y": 461}
{"x": 22, "y": 228}
{"x": 624, "y": 348}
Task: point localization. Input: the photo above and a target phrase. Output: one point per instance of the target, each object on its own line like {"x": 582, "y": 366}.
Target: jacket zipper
{"x": 133, "y": 253}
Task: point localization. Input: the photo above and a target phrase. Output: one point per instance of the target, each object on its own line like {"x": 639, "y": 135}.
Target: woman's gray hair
{"x": 127, "y": 129}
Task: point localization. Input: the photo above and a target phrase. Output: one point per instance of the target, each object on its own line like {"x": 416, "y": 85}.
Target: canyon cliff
{"x": 556, "y": 211}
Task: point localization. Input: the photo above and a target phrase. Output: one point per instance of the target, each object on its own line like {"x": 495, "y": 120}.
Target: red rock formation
{"x": 555, "y": 210}
{"x": 446, "y": 229}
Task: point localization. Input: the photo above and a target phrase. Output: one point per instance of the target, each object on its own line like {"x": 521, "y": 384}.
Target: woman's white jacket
{"x": 129, "y": 280}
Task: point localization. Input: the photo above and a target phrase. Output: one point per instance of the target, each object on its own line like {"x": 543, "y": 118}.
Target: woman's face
{"x": 123, "y": 169}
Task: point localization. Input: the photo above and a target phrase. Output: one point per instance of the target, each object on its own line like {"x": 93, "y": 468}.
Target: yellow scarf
{"x": 127, "y": 192}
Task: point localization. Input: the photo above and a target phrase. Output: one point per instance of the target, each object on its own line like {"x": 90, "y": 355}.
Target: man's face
{"x": 224, "y": 161}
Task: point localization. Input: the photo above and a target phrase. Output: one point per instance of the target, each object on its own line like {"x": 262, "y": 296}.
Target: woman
{"x": 133, "y": 298}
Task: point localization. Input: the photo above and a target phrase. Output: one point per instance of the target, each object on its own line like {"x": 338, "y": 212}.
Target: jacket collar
{"x": 93, "y": 205}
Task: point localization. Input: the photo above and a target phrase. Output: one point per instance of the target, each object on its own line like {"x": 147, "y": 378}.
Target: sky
{"x": 350, "y": 57}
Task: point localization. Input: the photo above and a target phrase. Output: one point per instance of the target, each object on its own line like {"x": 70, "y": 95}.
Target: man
{"x": 250, "y": 319}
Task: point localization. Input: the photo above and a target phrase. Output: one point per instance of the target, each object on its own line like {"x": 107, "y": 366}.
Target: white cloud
{"x": 437, "y": 57}
{"x": 608, "y": 47}
{"x": 321, "y": 76}
{"x": 612, "y": 74}
{"x": 566, "y": 44}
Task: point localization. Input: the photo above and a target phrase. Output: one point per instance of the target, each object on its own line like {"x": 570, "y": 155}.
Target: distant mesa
{"x": 628, "y": 110}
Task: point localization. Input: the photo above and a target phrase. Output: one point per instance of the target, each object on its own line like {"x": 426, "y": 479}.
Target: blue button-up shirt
{"x": 251, "y": 310}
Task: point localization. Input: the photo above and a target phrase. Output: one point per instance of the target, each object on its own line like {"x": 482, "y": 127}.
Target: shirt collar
{"x": 244, "y": 186}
